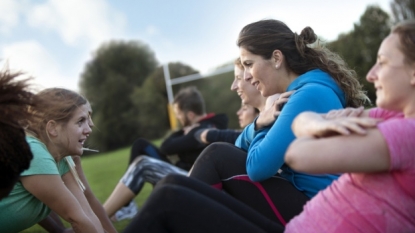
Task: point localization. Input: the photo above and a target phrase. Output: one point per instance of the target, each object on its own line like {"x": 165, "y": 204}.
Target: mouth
{"x": 82, "y": 141}
{"x": 255, "y": 84}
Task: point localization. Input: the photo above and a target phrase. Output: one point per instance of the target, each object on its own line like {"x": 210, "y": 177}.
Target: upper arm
{"x": 178, "y": 143}
{"x": 50, "y": 190}
{"x": 339, "y": 154}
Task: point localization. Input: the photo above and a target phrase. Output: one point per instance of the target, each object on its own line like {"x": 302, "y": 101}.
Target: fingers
{"x": 346, "y": 126}
{"x": 286, "y": 94}
{"x": 347, "y": 112}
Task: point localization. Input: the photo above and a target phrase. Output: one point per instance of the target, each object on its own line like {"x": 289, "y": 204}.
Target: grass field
{"x": 103, "y": 172}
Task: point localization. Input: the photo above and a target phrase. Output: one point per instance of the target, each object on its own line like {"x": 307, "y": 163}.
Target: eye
{"x": 81, "y": 121}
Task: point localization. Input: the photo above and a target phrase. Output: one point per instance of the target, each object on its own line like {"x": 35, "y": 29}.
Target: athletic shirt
{"x": 21, "y": 210}
{"x": 369, "y": 202}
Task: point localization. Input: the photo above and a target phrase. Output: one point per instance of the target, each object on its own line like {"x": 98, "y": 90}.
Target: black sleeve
{"x": 222, "y": 135}
{"x": 179, "y": 143}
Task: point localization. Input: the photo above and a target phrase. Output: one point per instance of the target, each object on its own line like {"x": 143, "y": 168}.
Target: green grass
{"x": 103, "y": 172}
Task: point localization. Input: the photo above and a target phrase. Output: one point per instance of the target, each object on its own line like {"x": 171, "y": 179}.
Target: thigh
{"x": 219, "y": 161}
{"x": 182, "y": 204}
{"x": 275, "y": 198}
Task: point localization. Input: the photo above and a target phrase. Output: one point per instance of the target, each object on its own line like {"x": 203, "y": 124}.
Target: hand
{"x": 342, "y": 126}
{"x": 272, "y": 109}
{"x": 347, "y": 112}
{"x": 203, "y": 136}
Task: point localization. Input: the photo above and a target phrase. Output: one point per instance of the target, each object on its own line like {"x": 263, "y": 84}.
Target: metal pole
{"x": 168, "y": 83}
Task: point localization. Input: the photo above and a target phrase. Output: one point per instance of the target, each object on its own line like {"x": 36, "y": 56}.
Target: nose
{"x": 247, "y": 76}
{"x": 88, "y": 128}
{"x": 234, "y": 85}
{"x": 371, "y": 75}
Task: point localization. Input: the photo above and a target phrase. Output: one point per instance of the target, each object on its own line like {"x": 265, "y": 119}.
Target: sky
{"x": 52, "y": 40}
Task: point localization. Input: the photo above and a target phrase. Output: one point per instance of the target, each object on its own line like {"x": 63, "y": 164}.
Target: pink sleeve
{"x": 384, "y": 114}
{"x": 400, "y": 139}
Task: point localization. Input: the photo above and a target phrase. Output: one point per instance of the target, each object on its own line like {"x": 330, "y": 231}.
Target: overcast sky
{"x": 53, "y": 39}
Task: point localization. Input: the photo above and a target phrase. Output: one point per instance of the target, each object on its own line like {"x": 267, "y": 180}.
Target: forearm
{"x": 101, "y": 214}
{"x": 92, "y": 200}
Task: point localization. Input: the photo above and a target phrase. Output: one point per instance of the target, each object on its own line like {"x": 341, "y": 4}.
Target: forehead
{"x": 390, "y": 48}
{"x": 238, "y": 70}
{"x": 244, "y": 53}
{"x": 83, "y": 110}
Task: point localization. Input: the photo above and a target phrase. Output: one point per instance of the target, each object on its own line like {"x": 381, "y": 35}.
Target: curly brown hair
{"x": 15, "y": 154}
{"x": 302, "y": 53}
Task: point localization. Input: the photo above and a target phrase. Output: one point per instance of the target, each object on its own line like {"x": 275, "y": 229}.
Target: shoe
{"x": 126, "y": 212}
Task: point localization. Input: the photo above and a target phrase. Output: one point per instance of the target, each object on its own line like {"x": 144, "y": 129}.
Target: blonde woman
{"x": 60, "y": 130}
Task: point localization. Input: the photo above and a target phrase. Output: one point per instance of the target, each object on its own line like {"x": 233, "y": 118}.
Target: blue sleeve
{"x": 244, "y": 139}
{"x": 266, "y": 152}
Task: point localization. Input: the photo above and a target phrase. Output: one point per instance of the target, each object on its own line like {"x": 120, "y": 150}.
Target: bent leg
{"x": 143, "y": 169}
{"x": 187, "y": 205}
{"x": 143, "y": 147}
{"x": 224, "y": 165}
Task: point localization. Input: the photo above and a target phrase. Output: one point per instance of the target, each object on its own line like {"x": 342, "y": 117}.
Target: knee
{"x": 171, "y": 179}
{"x": 214, "y": 150}
{"x": 140, "y": 160}
{"x": 140, "y": 143}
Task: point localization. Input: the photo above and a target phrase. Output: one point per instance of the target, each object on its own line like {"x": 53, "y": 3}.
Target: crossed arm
{"x": 337, "y": 142}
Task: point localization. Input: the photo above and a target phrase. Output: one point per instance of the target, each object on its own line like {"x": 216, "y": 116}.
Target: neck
{"x": 261, "y": 104}
{"x": 198, "y": 118}
{"x": 53, "y": 150}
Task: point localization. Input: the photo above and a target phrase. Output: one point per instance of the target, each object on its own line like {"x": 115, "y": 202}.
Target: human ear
{"x": 277, "y": 58}
{"x": 52, "y": 128}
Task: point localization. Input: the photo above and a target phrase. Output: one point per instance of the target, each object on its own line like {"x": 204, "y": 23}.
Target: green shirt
{"x": 21, "y": 210}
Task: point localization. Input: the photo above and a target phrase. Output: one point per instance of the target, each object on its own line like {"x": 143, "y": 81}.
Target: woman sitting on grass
{"x": 61, "y": 128}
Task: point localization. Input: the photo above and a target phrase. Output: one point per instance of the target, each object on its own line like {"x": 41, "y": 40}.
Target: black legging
{"x": 143, "y": 147}
{"x": 182, "y": 204}
{"x": 222, "y": 165}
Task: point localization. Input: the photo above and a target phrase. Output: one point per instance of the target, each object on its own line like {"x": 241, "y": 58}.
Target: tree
{"x": 108, "y": 81}
{"x": 359, "y": 47}
{"x": 403, "y": 10}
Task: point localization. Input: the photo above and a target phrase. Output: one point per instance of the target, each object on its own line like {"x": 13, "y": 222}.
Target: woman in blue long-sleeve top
{"x": 276, "y": 60}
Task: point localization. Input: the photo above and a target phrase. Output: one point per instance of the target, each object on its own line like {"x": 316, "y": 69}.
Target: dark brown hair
{"x": 406, "y": 32}
{"x": 15, "y": 154}
{"x": 190, "y": 99}
{"x": 302, "y": 53}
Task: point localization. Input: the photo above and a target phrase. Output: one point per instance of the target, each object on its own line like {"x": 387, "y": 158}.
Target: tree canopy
{"x": 403, "y": 10}
{"x": 359, "y": 47}
{"x": 108, "y": 81}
